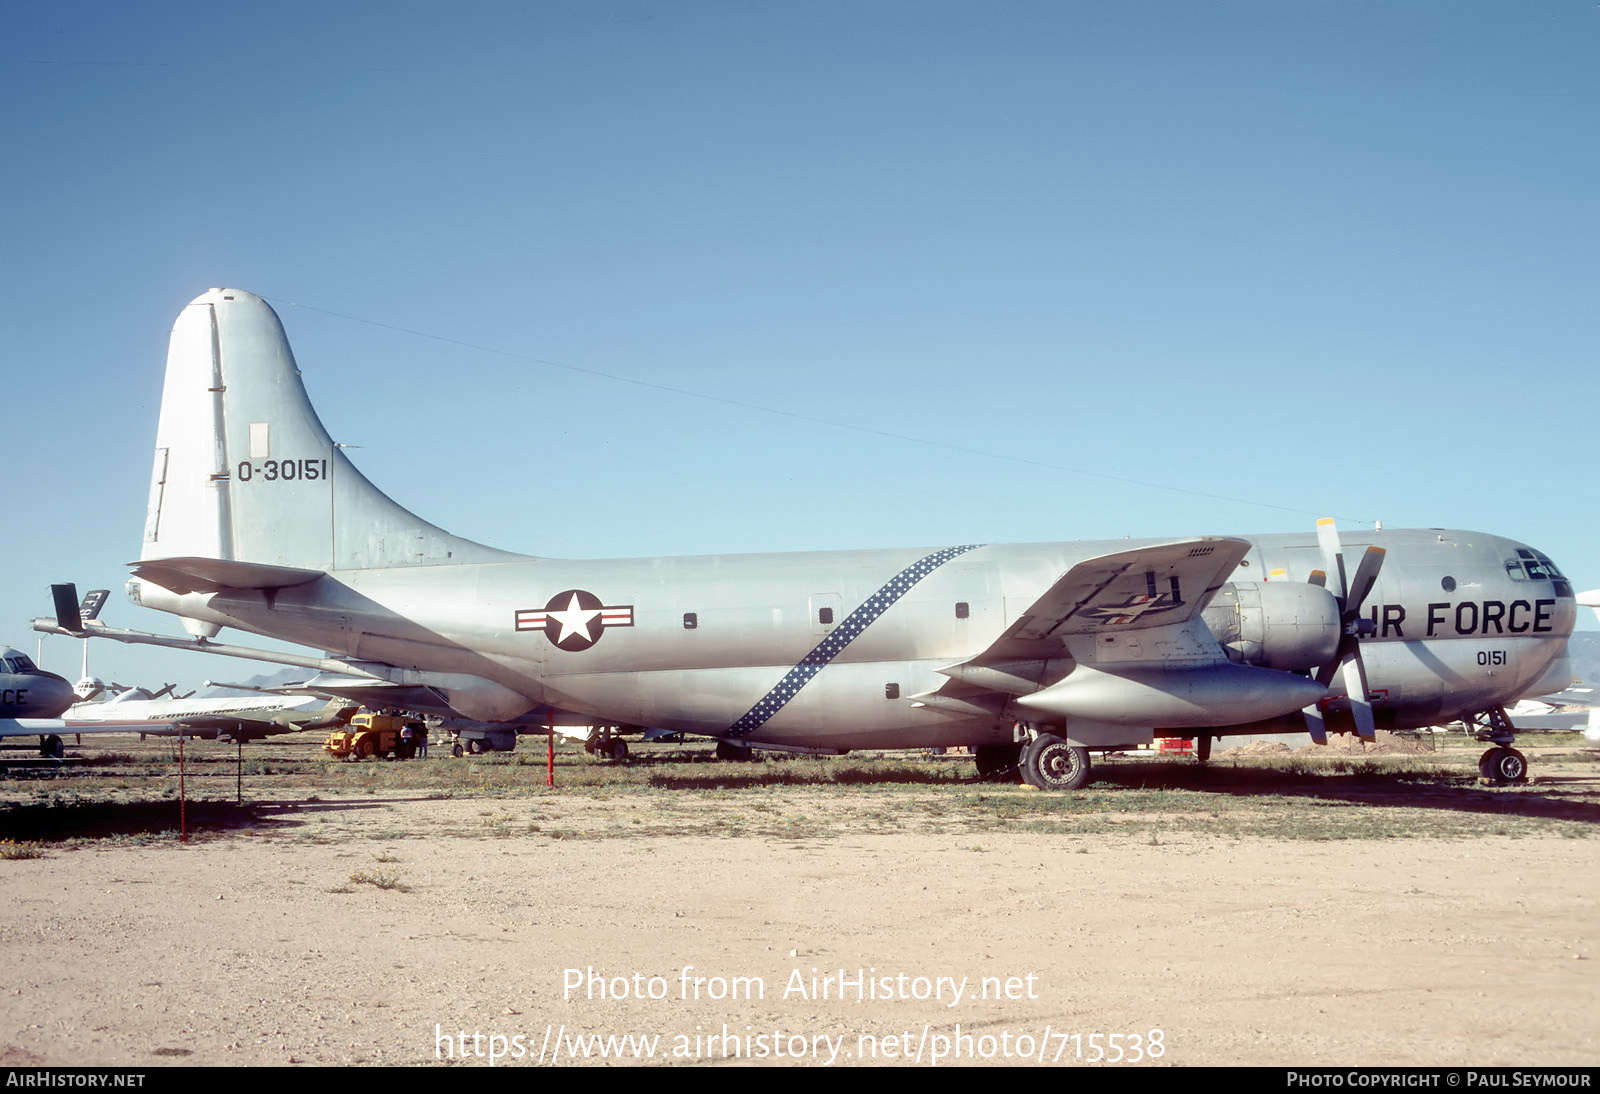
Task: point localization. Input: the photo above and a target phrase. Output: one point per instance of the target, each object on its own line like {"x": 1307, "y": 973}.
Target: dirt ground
{"x": 509, "y": 930}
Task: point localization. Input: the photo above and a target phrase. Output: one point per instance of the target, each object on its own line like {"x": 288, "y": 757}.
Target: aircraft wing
{"x": 1579, "y": 695}
{"x": 1159, "y": 586}
{"x": 1118, "y": 642}
{"x": 33, "y": 727}
{"x": 252, "y": 718}
{"x": 250, "y": 729}
{"x": 1554, "y": 713}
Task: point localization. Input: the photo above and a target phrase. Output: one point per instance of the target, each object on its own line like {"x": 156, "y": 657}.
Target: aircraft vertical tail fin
{"x": 245, "y": 471}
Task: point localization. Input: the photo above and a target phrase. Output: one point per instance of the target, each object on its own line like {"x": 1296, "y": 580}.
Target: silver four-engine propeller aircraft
{"x": 1034, "y": 654}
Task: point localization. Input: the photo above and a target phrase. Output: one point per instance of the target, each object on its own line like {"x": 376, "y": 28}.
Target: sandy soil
{"x": 258, "y": 948}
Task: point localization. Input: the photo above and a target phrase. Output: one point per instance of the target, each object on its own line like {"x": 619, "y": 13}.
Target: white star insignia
{"x": 573, "y": 619}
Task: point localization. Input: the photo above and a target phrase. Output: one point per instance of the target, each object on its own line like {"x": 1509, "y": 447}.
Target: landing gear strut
{"x": 1502, "y": 763}
{"x": 606, "y": 743}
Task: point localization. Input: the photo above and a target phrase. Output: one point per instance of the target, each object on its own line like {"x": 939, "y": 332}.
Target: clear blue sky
{"x": 1314, "y": 257}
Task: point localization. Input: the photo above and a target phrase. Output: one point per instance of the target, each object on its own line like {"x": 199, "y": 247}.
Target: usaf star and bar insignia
{"x": 1134, "y": 608}
{"x": 574, "y": 620}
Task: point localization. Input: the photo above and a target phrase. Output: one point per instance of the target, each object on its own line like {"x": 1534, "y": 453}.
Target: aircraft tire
{"x": 475, "y": 747}
{"x": 734, "y": 753}
{"x": 1503, "y": 765}
{"x": 1051, "y": 764}
{"x": 52, "y": 747}
{"x": 617, "y": 750}
{"x": 998, "y": 762}
{"x": 456, "y": 749}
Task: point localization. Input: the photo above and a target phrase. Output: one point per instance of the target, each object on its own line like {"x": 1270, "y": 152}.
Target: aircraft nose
{"x": 54, "y": 693}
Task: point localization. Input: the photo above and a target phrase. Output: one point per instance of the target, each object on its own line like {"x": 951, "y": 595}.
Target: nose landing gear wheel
{"x": 1051, "y": 764}
{"x": 1503, "y": 765}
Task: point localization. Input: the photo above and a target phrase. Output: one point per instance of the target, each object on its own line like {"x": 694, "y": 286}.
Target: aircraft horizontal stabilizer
{"x": 209, "y": 575}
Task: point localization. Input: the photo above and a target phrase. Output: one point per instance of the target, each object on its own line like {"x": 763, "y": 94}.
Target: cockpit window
{"x": 1533, "y": 566}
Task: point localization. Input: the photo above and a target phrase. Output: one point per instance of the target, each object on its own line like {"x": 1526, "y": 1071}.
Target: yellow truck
{"x": 370, "y": 734}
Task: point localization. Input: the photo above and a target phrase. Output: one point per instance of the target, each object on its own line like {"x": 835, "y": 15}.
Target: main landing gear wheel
{"x": 997, "y": 762}
{"x": 51, "y": 747}
{"x": 1051, "y": 764}
{"x": 617, "y": 750}
{"x": 456, "y": 749}
{"x": 732, "y": 752}
{"x": 1503, "y": 765}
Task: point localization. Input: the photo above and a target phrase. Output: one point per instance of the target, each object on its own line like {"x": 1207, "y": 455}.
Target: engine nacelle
{"x": 1275, "y": 624}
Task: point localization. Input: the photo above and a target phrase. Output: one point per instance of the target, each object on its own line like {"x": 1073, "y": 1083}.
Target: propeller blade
{"x": 1366, "y": 577}
{"x": 1315, "y": 725}
{"x": 1351, "y": 594}
{"x": 1366, "y": 728}
{"x": 1332, "y": 557}
{"x": 1355, "y": 684}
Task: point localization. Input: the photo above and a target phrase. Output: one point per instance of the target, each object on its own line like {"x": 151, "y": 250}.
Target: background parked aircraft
{"x": 245, "y": 719}
{"x": 31, "y": 699}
